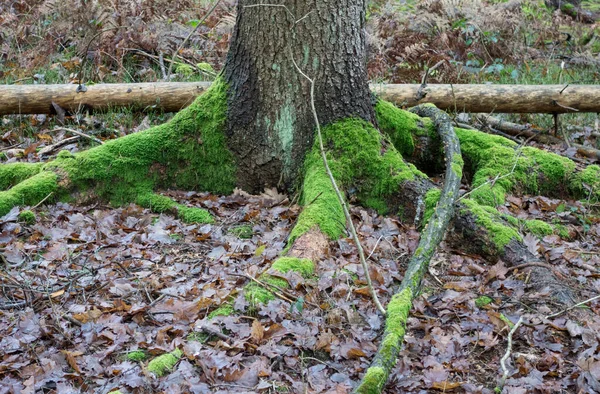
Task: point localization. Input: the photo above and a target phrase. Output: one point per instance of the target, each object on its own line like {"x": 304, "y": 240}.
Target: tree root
{"x": 189, "y": 152}
{"x": 401, "y": 303}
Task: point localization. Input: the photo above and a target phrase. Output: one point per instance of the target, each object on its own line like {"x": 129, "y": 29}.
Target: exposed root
{"x": 399, "y": 307}
{"x": 189, "y": 152}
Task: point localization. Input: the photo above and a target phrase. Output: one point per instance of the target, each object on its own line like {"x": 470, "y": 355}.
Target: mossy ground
{"x": 188, "y": 153}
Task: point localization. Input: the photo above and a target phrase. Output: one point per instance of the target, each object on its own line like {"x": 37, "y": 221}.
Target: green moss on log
{"x": 499, "y": 167}
{"x": 395, "y": 328}
{"x": 13, "y": 173}
{"x": 165, "y": 363}
{"x": 160, "y": 204}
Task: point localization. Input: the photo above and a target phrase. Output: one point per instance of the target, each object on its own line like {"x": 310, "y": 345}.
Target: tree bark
{"x": 270, "y": 123}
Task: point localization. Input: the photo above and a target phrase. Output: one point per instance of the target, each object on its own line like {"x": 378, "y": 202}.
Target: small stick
{"x": 79, "y": 133}
{"x": 507, "y": 354}
{"x": 338, "y": 193}
{"x": 44, "y": 199}
{"x": 573, "y": 307}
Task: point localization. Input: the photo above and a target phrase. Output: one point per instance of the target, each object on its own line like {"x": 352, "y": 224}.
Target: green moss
{"x": 538, "y": 227}
{"x": 189, "y": 153}
{"x": 163, "y": 364}
{"x": 491, "y": 220}
{"x": 397, "y": 312}
{"x": 457, "y": 165}
{"x": 243, "y": 231}
{"x": 431, "y": 199}
{"x": 29, "y": 192}
{"x": 483, "y": 301}
{"x": 201, "y": 337}
{"x": 137, "y": 355}
{"x": 13, "y": 173}
{"x": 499, "y": 167}
{"x": 395, "y": 328}
{"x": 373, "y": 381}
{"x": 160, "y": 204}
{"x": 360, "y": 159}
{"x": 285, "y": 264}
{"x": 27, "y": 217}
{"x": 562, "y": 231}
{"x": 586, "y": 183}
{"x": 194, "y": 215}
{"x": 256, "y": 294}
{"x": 224, "y": 310}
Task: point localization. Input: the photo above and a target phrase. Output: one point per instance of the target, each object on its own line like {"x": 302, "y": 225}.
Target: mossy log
{"x": 174, "y": 96}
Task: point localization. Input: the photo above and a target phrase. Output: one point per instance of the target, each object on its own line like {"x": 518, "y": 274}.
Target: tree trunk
{"x": 270, "y": 123}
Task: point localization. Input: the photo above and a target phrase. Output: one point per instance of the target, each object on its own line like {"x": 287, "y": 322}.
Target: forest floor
{"x": 83, "y": 287}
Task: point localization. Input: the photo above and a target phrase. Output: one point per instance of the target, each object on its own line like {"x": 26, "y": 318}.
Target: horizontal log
{"x": 173, "y": 96}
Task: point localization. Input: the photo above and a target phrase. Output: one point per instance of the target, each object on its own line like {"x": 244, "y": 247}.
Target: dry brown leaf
{"x": 258, "y": 332}
{"x": 445, "y": 385}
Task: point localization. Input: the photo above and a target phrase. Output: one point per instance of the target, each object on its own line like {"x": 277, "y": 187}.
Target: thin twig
{"x": 43, "y": 199}
{"x": 338, "y": 193}
{"x": 507, "y": 354}
{"x": 79, "y": 133}
{"x": 573, "y": 307}
{"x": 200, "y": 22}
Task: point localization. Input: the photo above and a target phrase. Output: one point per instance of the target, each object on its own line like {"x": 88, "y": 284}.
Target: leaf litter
{"x": 84, "y": 286}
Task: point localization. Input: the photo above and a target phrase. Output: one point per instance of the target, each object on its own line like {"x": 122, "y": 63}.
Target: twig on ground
{"x": 79, "y": 133}
{"x": 338, "y": 193}
{"x": 507, "y": 354}
{"x": 573, "y": 307}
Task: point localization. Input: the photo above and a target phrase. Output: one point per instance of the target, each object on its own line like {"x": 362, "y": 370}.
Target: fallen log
{"x": 173, "y": 96}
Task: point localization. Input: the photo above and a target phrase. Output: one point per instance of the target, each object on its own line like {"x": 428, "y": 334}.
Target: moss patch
{"x": 27, "y": 217}
{"x": 256, "y": 294}
{"x": 224, "y": 310}
{"x": 482, "y": 301}
{"x": 189, "y": 153}
{"x": 361, "y": 159}
{"x": 137, "y": 356}
{"x": 490, "y": 219}
{"x": 160, "y": 204}
{"x": 29, "y": 192}
{"x": 431, "y": 199}
{"x": 243, "y": 231}
{"x": 538, "y": 227}
{"x": 499, "y": 167}
{"x": 163, "y": 364}
{"x": 13, "y": 173}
